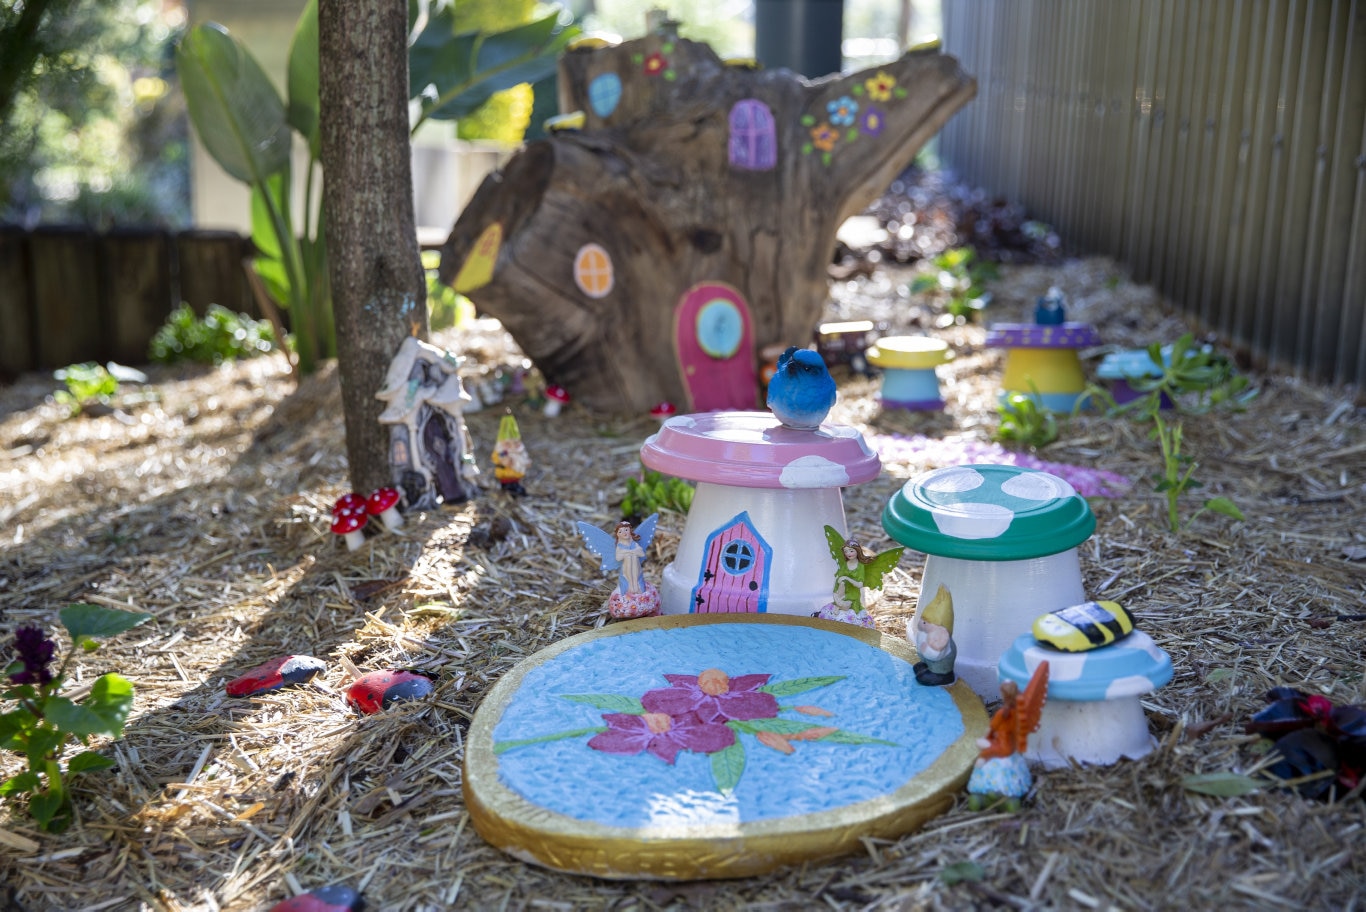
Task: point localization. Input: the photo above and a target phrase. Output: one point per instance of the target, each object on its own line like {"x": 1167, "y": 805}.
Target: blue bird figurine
{"x": 802, "y": 391}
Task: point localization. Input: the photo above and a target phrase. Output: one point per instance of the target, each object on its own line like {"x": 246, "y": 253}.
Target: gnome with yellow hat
{"x": 931, "y": 632}
{"x": 510, "y": 460}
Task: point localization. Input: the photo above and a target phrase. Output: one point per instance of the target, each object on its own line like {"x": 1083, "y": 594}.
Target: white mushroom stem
{"x": 392, "y": 518}
{"x": 552, "y": 408}
{"x": 355, "y": 539}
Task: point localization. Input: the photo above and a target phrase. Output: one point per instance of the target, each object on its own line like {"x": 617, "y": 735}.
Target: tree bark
{"x": 378, "y": 287}
{"x": 656, "y": 183}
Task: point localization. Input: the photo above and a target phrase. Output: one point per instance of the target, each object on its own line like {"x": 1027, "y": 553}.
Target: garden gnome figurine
{"x": 624, "y": 550}
{"x": 1001, "y": 773}
{"x": 510, "y": 460}
{"x": 802, "y": 392}
{"x": 931, "y": 630}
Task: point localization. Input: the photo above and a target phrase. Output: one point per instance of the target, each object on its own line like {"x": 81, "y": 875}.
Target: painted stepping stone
{"x": 332, "y": 898}
{"x": 377, "y": 690}
{"x": 704, "y": 746}
{"x": 268, "y": 676}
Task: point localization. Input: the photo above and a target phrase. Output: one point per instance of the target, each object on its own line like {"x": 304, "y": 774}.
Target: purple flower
{"x": 871, "y": 122}
{"x": 660, "y": 734}
{"x": 34, "y": 651}
{"x": 714, "y": 697}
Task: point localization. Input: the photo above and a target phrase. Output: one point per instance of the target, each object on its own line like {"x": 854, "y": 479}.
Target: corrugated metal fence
{"x": 1216, "y": 147}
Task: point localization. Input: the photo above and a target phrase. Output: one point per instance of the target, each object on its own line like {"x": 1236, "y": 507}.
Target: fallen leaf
{"x": 1221, "y": 785}
{"x": 960, "y": 871}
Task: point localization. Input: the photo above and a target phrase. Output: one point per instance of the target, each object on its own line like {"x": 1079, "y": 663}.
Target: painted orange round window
{"x": 593, "y": 271}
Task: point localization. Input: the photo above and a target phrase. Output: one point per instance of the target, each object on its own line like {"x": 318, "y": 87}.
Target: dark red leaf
{"x": 1285, "y": 715}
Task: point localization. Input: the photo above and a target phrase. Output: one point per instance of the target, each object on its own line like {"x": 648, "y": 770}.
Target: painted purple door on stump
{"x": 713, "y": 335}
{"x": 734, "y": 575}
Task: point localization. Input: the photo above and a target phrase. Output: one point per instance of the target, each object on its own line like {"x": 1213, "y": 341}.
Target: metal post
{"x": 801, "y": 35}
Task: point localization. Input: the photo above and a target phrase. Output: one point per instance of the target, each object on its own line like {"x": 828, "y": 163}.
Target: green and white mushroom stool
{"x": 1003, "y": 540}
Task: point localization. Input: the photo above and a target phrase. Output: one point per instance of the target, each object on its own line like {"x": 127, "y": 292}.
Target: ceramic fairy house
{"x": 429, "y": 446}
{"x": 755, "y": 539}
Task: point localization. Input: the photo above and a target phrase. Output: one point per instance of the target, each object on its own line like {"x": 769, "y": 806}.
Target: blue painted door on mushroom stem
{"x": 734, "y": 574}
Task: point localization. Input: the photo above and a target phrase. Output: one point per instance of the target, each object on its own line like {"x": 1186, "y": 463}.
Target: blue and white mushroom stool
{"x": 1003, "y": 540}
{"x": 1093, "y": 714}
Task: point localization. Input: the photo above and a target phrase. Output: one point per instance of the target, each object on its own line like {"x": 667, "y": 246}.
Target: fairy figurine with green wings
{"x": 855, "y": 568}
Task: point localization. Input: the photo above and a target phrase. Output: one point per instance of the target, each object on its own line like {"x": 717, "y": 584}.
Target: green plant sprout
{"x": 653, "y": 492}
{"x": 86, "y": 384}
{"x": 41, "y": 723}
{"x": 220, "y": 336}
{"x": 1194, "y": 379}
{"x": 1024, "y": 421}
{"x": 446, "y": 307}
{"x": 962, "y": 278}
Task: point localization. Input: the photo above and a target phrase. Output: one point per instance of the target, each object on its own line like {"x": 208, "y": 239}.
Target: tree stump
{"x": 688, "y": 224}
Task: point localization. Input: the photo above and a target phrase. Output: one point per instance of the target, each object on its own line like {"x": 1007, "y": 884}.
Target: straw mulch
{"x": 204, "y": 500}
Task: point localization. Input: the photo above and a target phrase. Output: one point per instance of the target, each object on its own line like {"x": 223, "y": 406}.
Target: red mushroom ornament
{"x": 349, "y": 518}
{"x": 384, "y": 504}
{"x": 556, "y": 397}
{"x": 664, "y": 411}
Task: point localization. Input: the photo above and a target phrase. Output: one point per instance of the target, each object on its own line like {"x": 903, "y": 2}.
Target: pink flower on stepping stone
{"x": 660, "y": 734}
{"x": 714, "y": 696}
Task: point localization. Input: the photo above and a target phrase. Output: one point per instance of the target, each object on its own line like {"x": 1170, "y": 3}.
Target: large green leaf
{"x": 235, "y": 108}
{"x": 616, "y": 703}
{"x": 455, "y": 73}
{"x": 102, "y": 713}
{"x": 85, "y": 621}
{"x": 303, "y": 79}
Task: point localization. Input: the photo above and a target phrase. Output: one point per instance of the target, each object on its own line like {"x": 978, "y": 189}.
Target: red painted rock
{"x": 291, "y": 669}
{"x": 332, "y": 898}
{"x": 376, "y": 690}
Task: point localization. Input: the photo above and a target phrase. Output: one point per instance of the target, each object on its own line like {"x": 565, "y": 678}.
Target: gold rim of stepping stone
{"x": 539, "y": 835}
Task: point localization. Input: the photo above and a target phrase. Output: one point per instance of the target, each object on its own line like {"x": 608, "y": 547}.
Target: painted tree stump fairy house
{"x": 429, "y": 447}
{"x": 687, "y": 224}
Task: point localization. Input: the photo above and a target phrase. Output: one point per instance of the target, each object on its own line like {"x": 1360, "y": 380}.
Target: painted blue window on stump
{"x": 753, "y": 139}
{"x": 737, "y": 557}
{"x": 604, "y": 93}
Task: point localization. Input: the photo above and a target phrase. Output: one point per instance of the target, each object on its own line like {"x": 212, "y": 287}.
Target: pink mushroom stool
{"x": 754, "y": 540}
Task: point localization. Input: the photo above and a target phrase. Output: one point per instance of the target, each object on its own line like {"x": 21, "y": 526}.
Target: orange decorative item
{"x": 1001, "y": 773}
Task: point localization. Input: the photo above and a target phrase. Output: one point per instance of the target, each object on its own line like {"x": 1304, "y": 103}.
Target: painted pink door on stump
{"x": 734, "y": 575}
{"x": 713, "y": 336}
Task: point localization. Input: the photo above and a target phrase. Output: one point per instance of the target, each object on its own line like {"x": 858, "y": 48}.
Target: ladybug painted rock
{"x": 332, "y": 898}
{"x": 277, "y": 672}
{"x": 376, "y": 690}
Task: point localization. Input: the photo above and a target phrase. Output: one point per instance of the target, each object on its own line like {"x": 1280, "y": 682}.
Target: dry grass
{"x": 205, "y": 502}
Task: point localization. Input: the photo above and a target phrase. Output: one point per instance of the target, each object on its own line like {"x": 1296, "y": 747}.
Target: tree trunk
{"x": 378, "y": 288}
{"x": 698, "y": 181}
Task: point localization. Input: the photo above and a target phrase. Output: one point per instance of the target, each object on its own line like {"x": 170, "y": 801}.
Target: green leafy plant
{"x": 246, "y": 126}
{"x": 1191, "y": 379}
{"x": 41, "y": 722}
{"x": 446, "y": 307}
{"x": 86, "y": 384}
{"x": 1024, "y": 421}
{"x": 653, "y": 492}
{"x": 219, "y": 336}
{"x": 960, "y": 281}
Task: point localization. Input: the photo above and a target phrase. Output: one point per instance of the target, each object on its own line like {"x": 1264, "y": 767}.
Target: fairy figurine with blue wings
{"x": 624, "y": 550}
{"x": 855, "y": 568}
